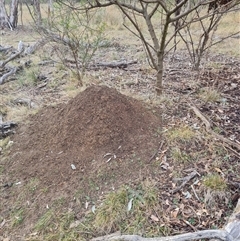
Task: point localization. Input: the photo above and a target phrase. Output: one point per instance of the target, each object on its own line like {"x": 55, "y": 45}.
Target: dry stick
{"x": 208, "y": 128}
{"x": 185, "y": 180}
{"x": 6, "y": 75}
{"x": 154, "y": 155}
{"x": 3, "y": 63}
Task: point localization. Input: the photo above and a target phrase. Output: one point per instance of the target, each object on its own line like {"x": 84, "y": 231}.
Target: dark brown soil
{"x": 81, "y": 132}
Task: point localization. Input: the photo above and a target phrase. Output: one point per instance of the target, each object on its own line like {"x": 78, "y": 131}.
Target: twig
{"x": 208, "y": 128}
{"x": 154, "y": 155}
{"x": 189, "y": 224}
{"x": 186, "y": 180}
{"x": 195, "y": 193}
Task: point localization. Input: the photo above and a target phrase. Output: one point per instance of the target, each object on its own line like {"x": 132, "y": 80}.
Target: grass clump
{"x": 180, "y": 134}
{"x": 180, "y": 156}
{"x": 30, "y": 77}
{"x": 17, "y": 217}
{"x": 113, "y": 211}
{"x": 128, "y": 210}
{"x": 209, "y": 95}
{"x": 215, "y": 182}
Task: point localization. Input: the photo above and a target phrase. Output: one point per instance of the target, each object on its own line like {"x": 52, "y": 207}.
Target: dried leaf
{"x": 154, "y": 218}
{"x": 109, "y": 159}
{"x": 130, "y": 204}
{"x": 219, "y": 171}
{"x": 93, "y": 208}
{"x": 175, "y": 213}
{"x": 75, "y": 224}
{"x": 187, "y": 195}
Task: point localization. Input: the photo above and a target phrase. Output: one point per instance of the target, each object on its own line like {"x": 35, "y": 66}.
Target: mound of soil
{"x": 96, "y": 122}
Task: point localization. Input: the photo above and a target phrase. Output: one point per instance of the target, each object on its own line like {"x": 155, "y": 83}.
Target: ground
{"x": 116, "y": 136}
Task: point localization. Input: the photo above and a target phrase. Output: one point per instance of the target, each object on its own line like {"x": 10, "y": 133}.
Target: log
{"x": 6, "y": 128}
{"x": 4, "y": 77}
{"x": 231, "y": 232}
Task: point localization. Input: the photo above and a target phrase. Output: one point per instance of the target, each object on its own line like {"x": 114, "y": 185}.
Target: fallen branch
{"x": 39, "y": 44}
{"x": 217, "y": 234}
{"x": 208, "y": 128}
{"x": 3, "y": 63}
{"x": 185, "y": 180}
{"x": 156, "y": 152}
{"x": 229, "y": 233}
{"x": 23, "y": 101}
{"x": 6, "y": 128}
{"x": 5, "y": 76}
{"x": 120, "y": 64}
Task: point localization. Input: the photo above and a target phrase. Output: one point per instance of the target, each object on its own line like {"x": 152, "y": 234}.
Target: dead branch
{"x": 40, "y": 43}
{"x": 156, "y": 152}
{"x": 229, "y": 233}
{"x": 6, "y": 128}
{"x": 208, "y": 128}
{"x": 120, "y": 64}
{"x": 5, "y": 76}
{"x": 217, "y": 234}
{"x": 3, "y": 63}
{"x": 24, "y": 101}
{"x": 186, "y": 180}
{"x": 96, "y": 66}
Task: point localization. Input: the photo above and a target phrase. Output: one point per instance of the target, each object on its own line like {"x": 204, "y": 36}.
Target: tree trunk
{"x": 13, "y": 18}
{"x": 50, "y": 11}
{"x": 37, "y": 12}
{"x": 159, "y": 83}
{"x": 4, "y": 23}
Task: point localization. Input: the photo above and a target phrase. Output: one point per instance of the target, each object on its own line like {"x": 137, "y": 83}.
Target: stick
{"x": 185, "y": 180}
{"x": 154, "y": 155}
{"x": 208, "y": 128}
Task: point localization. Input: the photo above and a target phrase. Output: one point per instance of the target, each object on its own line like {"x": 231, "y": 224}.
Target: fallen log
{"x": 231, "y": 232}
{"x": 6, "y": 128}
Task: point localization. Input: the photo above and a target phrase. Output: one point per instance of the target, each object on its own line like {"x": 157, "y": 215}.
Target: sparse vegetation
{"x": 210, "y": 95}
{"x": 180, "y": 134}
{"x": 131, "y": 192}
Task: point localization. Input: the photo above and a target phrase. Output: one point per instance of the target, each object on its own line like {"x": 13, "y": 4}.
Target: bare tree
{"x": 159, "y": 38}
{"x": 9, "y": 21}
{"x": 197, "y": 30}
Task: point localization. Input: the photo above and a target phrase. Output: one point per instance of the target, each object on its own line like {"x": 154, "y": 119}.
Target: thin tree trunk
{"x": 37, "y": 12}
{"x": 50, "y": 11}
{"x": 3, "y": 16}
{"x": 13, "y": 18}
